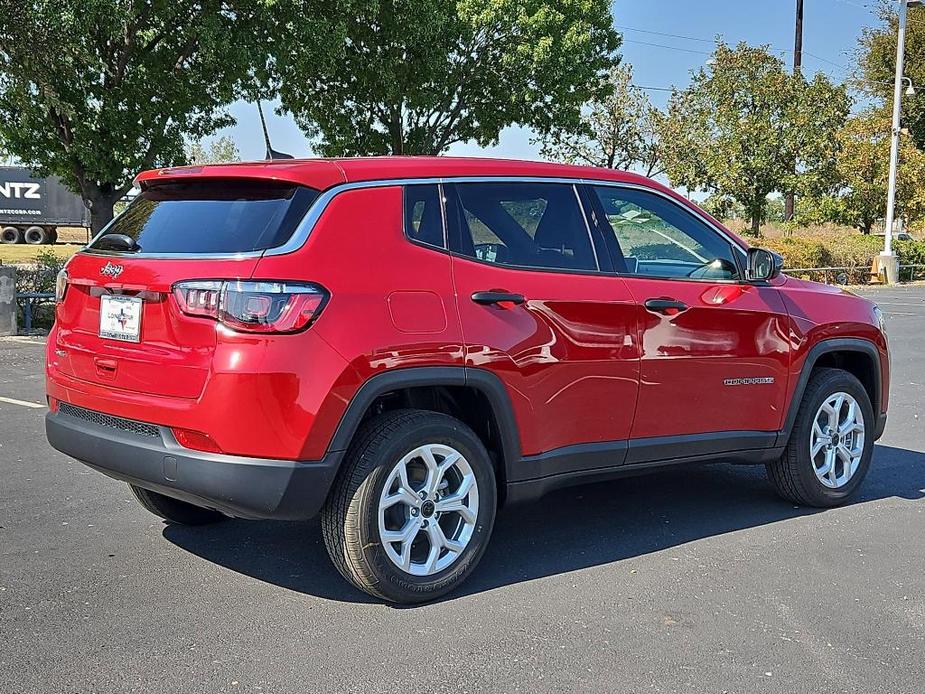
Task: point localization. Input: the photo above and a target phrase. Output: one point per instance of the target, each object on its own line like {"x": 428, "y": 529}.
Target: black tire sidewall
{"x": 831, "y": 382}
{"x": 393, "y": 582}
{"x": 40, "y": 233}
{"x": 14, "y": 237}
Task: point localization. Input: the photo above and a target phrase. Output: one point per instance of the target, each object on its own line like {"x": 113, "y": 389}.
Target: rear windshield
{"x": 215, "y": 216}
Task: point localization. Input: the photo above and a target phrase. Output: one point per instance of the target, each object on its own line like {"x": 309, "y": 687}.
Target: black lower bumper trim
{"x": 236, "y": 485}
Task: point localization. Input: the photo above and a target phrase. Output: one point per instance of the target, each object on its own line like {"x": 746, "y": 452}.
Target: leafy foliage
{"x": 743, "y": 125}
{"x": 98, "y": 90}
{"x": 862, "y": 170}
{"x": 877, "y": 64}
{"x": 617, "y": 131}
{"x": 221, "y": 150}
{"x": 416, "y": 76}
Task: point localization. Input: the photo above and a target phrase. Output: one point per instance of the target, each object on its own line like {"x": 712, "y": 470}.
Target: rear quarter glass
{"x": 213, "y": 216}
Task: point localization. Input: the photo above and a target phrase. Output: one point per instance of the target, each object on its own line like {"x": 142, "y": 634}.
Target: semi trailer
{"x": 32, "y": 208}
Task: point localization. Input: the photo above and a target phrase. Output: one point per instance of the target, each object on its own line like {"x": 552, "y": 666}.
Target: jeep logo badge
{"x": 111, "y": 270}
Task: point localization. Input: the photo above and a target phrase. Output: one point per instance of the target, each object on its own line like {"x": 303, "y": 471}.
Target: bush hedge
{"x": 855, "y": 252}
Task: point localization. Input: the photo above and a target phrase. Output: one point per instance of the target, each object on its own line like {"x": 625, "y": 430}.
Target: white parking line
{"x": 22, "y": 403}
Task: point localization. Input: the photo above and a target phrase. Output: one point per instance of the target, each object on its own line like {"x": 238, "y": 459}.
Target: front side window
{"x": 651, "y": 236}
{"x": 520, "y": 224}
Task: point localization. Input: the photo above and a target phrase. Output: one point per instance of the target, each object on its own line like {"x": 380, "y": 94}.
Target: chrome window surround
{"x": 304, "y": 229}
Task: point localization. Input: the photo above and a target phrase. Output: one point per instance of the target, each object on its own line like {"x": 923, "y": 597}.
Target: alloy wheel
{"x": 428, "y": 509}
{"x": 837, "y": 440}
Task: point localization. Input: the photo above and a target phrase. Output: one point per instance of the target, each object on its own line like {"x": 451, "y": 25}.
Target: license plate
{"x": 120, "y": 317}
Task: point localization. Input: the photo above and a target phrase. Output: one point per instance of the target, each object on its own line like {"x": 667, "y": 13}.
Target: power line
{"x": 860, "y": 6}
{"x": 671, "y": 48}
{"x": 653, "y": 89}
{"x": 694, "y": 38}
{"x": 662, "y": 33}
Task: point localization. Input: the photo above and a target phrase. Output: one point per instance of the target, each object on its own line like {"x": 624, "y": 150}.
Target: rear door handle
{"x": 666, "y": 306}
{"x": 497, "y": 296}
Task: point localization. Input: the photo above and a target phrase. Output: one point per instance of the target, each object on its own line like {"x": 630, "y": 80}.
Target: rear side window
{"x": 521, "y": 224}
{"x": 217, "y": 216}
{"x": 423, "y": 217}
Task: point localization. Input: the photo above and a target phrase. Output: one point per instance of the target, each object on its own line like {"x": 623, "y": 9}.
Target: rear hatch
{"x": 119, "y": 324}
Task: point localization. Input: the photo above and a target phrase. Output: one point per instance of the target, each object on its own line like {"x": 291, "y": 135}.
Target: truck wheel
{"x": 35, "y": 236}
{"x": 831, "y": 444}
{"x": 413, "y": 506}
{"x": 10, "y": 235}
{"x": 53, "y": 235}
{"x": 174, "y": 510}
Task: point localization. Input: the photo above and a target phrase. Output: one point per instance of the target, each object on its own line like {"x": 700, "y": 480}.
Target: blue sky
{"x": 830, "y": 33}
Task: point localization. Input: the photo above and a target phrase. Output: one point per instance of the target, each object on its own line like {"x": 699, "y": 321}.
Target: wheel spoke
{"x": 407, "y": 533}
{"x": 837, "y": 408}
{"x": 457, "y": 506}
{"x": 433, "y": 469}
{"x": 850, "y": 418}
{"x": 817, "y": 446}
{"x": 830, "y": 414}
{"x": 433, "y": 554}
{"x": 830, "y": 462}
{"x": 437, "y": 536}
{"x": 403, "y": 479}
{"x": 402, "y": 496}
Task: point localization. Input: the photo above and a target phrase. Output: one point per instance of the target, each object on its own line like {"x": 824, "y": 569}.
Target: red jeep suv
{"x": 403, "y": 345}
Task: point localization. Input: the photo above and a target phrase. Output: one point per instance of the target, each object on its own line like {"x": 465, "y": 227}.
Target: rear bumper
{"x": 239, "y": 486}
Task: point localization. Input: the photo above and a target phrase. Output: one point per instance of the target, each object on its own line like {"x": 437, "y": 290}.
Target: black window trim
{"x": 738, "y": 253}
{"x": 404, "y": 215}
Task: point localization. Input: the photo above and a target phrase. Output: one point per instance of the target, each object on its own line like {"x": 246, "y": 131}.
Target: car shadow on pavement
{"x": 568, "y": 530}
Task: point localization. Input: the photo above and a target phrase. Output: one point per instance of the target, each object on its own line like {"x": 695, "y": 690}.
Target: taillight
{"x": 256, "y": 307}
{"x": 199, "y": 298}
{"x": 60, "y": 286}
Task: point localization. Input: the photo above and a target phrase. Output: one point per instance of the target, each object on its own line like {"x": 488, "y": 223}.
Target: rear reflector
{"x": 254, "y": 307}
{"x": 195, "y": 440}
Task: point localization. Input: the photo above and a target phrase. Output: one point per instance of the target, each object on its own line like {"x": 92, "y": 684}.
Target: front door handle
{"x": 499, "y": 297}
{"x": 667, "y": 306}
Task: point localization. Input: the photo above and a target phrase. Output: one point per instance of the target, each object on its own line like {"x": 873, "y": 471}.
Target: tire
{"x": 35, "y": 236}
{"x": 351, "y": 517}
{"x": 174, "y": 510}
{"x": 53, "y": 235}
{"x": 10, "y": 235}
{"x": 794, "y": 474}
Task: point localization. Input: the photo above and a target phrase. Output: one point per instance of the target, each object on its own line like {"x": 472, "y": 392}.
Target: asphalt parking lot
{"x": 699, "y": 580}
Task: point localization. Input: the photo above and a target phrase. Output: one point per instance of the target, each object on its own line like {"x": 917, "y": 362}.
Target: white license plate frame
{"x": 120, "y": 317}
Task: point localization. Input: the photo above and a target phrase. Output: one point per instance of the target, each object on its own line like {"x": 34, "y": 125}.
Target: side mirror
{"x": 763, "y": 265}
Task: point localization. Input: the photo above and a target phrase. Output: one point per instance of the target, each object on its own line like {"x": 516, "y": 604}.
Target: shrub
{"x": 799, "y": 252}
{"x": 39, "y": 278}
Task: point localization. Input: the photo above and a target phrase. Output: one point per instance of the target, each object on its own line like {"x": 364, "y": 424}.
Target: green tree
{"x": 98, "y": 90}
{"x": 416, "y": 76}
{"x": 744, "y": 121}
{"x": 617, "y": 131}
{"x": 877, "y": 65}
{"x": 863, "y": 169}
{"x": 221, "y": 150}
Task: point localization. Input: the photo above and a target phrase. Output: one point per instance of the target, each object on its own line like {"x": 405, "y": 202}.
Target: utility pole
{"x": 797, "y": 67}
{"x": 887, "y": 259}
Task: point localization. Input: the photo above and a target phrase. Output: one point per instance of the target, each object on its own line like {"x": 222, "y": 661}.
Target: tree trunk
{"x": 756, "y": 225}
{"x": 101, "y": 208}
